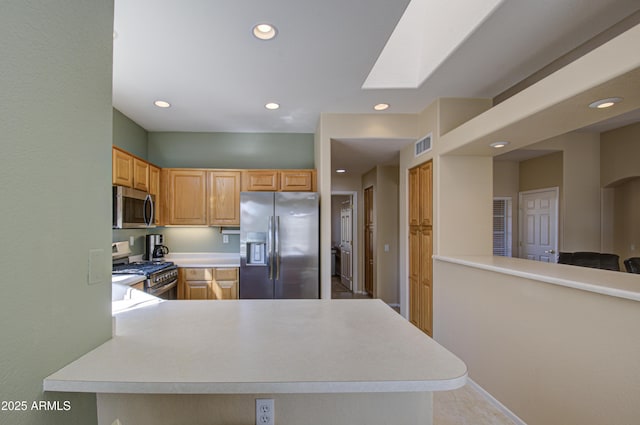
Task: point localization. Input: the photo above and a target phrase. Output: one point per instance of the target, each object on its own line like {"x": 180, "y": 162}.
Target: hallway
{"x": 339, "y": 291}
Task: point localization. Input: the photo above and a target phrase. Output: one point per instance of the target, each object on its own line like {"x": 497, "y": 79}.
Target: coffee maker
{"x": 155, "y": 249}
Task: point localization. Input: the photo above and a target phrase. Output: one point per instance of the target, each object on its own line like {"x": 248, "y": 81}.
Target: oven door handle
{"x": 161, "y": 290}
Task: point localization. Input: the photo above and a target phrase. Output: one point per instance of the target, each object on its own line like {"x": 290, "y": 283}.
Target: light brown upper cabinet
{"x": 279, "y": 181}
{"x": 130, "y": 171}
{"x": 261, "y": 180}
{"x": 121, "y": 168}
{"x": 296, "y": 180}
{"x": 186, "y": 197}
{"x": 140, "y": 175}
{"x": 224, "y": 197}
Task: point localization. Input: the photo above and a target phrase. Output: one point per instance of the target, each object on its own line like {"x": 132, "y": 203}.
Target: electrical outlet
{"x": 264, "y": 411}
{"x": 225, "y": 238}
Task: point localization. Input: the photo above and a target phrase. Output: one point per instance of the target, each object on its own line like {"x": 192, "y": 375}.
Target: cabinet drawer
{"x": 198, "y": 274}
{"x": 227, "y": 274}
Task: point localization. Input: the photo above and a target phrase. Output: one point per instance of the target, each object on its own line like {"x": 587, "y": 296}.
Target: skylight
{"x": 428, "y": 32}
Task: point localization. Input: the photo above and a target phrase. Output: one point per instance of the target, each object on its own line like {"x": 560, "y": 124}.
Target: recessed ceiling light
{"x": 381, "y": 106}
{"x": 499, "y": 145}
{"x": 605, "y": 103}
{"x": 272, "y": 105}
{"x": 264, "y": 31}
{"x": 341, "y": 170}
{"x": 162, "y": 104}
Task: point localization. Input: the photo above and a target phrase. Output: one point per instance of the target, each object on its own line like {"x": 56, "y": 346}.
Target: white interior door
{"x": 539, "y": 225}
{"x": 346, "y": 248}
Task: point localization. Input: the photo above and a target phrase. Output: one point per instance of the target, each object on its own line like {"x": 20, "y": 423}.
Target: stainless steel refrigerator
{"x": 279, "y": 245}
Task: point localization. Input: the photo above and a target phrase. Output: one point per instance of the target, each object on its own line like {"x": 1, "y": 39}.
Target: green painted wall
{"x": 198, "y": 239}
{"x": 55, "y": 183}
{"x": 231, "y": 150}
{"x": 128, "y": 135}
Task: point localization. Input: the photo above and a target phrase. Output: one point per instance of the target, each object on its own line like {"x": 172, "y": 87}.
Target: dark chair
{"x": 632, "y": 265}
{"x": 595, "y": 260}
{"x": 565, "y": 258}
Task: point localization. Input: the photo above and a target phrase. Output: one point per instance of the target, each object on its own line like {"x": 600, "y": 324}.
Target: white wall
{"x": 553, "y": 355}
{"x": 581, "y": 195}
{"x": 350, "y": 126}
{"x": 55, "y": 169}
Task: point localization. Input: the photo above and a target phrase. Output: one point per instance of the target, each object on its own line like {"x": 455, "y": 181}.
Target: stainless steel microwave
{"x": 132, "y": 208}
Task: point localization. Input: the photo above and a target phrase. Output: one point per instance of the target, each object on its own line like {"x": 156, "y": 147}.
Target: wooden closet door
{"x": 369, "y": 263}
{"x": 421, "y": 247}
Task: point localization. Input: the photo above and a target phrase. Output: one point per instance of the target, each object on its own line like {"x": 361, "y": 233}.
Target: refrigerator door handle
{"x": 270, "y": 247}
{"x": 277, "y": 246}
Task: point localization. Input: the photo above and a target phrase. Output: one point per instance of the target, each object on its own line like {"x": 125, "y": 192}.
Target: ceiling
{"x": 201, "y": 56}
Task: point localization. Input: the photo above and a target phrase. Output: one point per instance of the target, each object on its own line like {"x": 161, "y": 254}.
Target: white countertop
{"x": 606, "y": 282}
{"x": 204, "y": 259}
{"x": 263, "y": 346}
{"x": 127, "y": 279}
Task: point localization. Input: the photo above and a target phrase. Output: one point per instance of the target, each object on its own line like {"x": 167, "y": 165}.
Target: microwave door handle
{"x": 153, "y": 212}
{"x": 150, "y": 201}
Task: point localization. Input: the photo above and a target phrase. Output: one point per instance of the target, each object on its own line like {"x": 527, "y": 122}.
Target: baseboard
{"x": 491, "y": 399}
{"x": 394, "y": 305}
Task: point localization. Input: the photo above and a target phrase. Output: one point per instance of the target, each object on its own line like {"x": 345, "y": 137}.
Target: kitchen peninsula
{"x": 322, "y": 361}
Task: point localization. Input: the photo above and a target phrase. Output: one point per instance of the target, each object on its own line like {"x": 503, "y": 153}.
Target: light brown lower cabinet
{"x": 203, "y": 283}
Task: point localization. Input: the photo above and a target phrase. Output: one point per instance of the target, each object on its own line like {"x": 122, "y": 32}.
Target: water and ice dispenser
{"x": 257, "y": 248}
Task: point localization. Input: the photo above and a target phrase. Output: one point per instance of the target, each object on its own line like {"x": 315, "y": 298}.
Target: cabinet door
{"x": 262, "y": 180}
{"x": 140, "y": 175}
{"x": 414, "y": 197}
{"x": 296, "y": 180}
{"x": 121, "y": 168}
{"x": 414, "y": 276}
{"x": 224, "y": 198}
{"x": 225, "y": 289}
{"x": 426, "y": 174}
{"x": 197, "y": 289}
{"x": 426, "y": 288}
{"x": 187, "y": 197}
{"x": 154, "y": 189}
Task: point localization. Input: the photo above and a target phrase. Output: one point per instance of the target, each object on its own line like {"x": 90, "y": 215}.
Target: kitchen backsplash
{"x": 137, "y": 248}
{"x": 181, "y": 239}
{"x": 198, "y": 239}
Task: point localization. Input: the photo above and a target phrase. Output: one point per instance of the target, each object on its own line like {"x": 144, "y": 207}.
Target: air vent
{"x": 423, "y": 145}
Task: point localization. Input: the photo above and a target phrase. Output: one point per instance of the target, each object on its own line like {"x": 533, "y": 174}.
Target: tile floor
{"x": 466, "y": 406}
{"x": 338, "y": 291}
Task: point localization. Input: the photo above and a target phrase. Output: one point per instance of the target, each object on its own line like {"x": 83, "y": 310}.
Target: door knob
{"x": 551, "y": 251}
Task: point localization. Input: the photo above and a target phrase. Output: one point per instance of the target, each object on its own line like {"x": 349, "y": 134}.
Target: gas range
{"x": 161, "y": 277}
{"x": 145, "y": 268}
